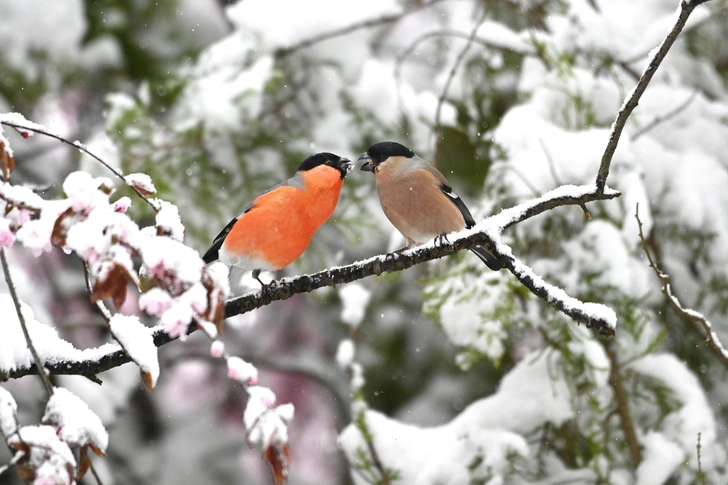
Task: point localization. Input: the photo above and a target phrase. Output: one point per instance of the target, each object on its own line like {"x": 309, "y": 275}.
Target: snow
{"x": 487, "y": 433}
{"x": 354, "y": 301}
{"x": 18, "y": 34}
{"x": 694, "y": 414}
{"x": 24, "y": 126}
{"x": 14, "y": 353}
{"x": 8, "y": 413}
{"x": 75, "y": 423}
{"x": 50, "y": 457}
{"x": 303, "y": 19}
{"x": 345, "y": 353}
{"x": 217, "y": 349}
{"x": 660, "y": 458}
{"x": 267, "y": 425}
{"x": 168, "y": 220}
{"x": 242, "y": 371}
{"x": 176, "y": 319}
{"x": 136, "y": 340}
{"x": 163, "y": 255}
{"x": 155, "y": 301}
{"x": 141, "y": 182}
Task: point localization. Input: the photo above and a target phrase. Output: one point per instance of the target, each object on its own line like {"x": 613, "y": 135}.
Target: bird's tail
{"x": 489, "y": 260}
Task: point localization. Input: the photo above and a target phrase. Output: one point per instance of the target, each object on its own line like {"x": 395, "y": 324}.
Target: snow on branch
{"x": 94, "y": 361}
{"x": 485, "y": 233}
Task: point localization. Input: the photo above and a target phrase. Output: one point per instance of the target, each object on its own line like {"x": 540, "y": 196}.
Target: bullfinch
{"x": 416, "y": 197}
{"x": 276, "y": 228}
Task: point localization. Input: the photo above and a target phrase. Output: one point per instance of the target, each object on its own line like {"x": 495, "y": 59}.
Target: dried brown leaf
{"x": 8, "y": 162}
{"x": 113, "y": 285}
{"x": 279, "y": 459}
{"x": 147, "y": 380}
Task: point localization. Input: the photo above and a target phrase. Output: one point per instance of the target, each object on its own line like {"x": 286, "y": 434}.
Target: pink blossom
{"x": 22, "y": 217}
{"x": 122, "y": 204}
{"x": 176, "y": 320}
{"x": 217, "y": 349}
{"x": 155, "y": 301}
{"x": 242, "y": 371}
{"x": 196, "y": 296}
{"x": 7, "y": 238}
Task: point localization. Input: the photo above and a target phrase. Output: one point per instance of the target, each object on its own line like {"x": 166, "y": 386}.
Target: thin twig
{"x": 711, "y": 338}
{"x": 83, "y": 149}
{"x": 622, "y": 402}
{"x": 21, "y": 318}
{"x": 686, "y": 8}
{"x": 550, "y": 161}
{"x": 93, "y": 471}
{"x": 384, "y": 19}
{"x": 701, "y": 475}
{"x": 451, "y": 75}
{"x": 664, "y": 117}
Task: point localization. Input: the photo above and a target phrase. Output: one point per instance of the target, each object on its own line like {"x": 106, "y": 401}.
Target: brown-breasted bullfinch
{"x": 416, "y": 197}
{"x": 276, "y": 228}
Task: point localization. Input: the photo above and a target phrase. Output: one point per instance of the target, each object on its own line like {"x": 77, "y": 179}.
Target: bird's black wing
{"x": 212, "y": 254}
{"x": 482, "y": 253}
{"x": 447, "y": 190}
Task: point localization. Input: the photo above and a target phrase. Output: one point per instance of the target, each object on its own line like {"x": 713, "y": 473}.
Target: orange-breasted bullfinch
{"x": 276, "y": 228}
{"x": 416, "y": 197}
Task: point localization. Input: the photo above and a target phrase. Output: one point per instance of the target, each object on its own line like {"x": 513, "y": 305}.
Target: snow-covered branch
{"x": 486, "y": 233}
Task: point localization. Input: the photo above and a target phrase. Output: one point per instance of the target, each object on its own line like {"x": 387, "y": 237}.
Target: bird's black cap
{"x": 379, "y": 152}
{"x": 343, "y": 165}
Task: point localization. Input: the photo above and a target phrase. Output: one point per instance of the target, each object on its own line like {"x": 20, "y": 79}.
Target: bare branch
{"x": 622, "y": 401}
{"x": 711, "y": 338}
{"x": 664, "y": 117}
{"x": 384, "y": 19}
{"x": 686, "y": 8}
{"x": 451, "y": 76}
{"x": 21, "y": 318}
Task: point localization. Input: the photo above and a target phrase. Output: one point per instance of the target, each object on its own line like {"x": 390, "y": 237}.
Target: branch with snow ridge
{"x": 486, "y": 234}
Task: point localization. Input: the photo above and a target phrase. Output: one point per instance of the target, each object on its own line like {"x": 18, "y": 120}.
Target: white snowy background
{"x": 446, "y": 373}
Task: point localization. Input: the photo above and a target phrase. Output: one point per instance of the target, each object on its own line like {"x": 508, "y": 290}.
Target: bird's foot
{"x": 441, "y": 239}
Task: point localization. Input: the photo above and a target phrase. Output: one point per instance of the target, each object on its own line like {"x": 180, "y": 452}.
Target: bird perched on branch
{"x": 416, "y": 197}
{"x": 276, "y": 228}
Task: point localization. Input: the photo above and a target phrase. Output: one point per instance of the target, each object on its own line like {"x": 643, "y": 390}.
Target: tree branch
{"x": 684, "y": 11}
{"x": 711, "y": 338}
{"x": 384, "y": 19}
{"x": 486, "y": 233}
{"x": 451, "y": 75}
{"x": 622, "y": 400}
{"x": 21, "y": 318}
{"x": 40, "y": 129}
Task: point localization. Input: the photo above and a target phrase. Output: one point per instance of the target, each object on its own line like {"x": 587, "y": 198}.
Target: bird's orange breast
{"x": 281, "y": 223}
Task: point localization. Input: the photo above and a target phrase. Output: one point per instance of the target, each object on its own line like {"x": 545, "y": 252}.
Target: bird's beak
{"x": 345, "y": 166}
{"x": 369, "y": 165}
